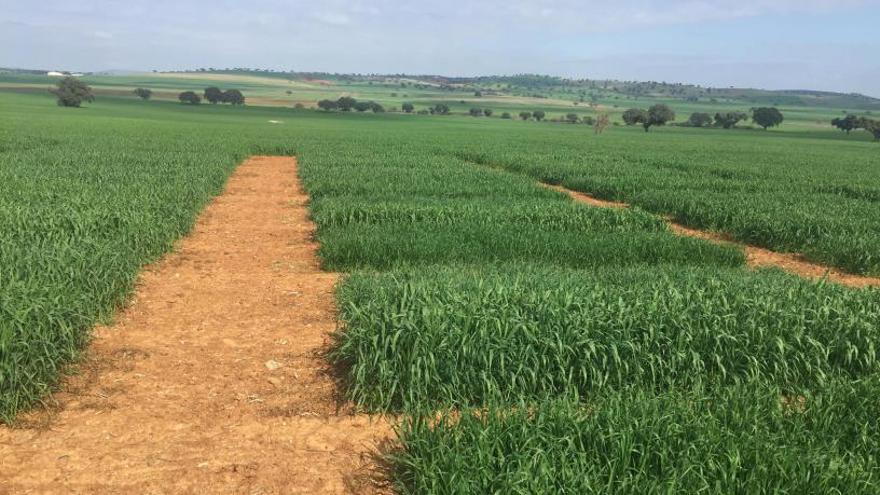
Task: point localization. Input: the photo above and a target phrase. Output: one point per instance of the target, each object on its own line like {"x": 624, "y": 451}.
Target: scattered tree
{"x": 539, "y": 115}
{"x": 189, "y": 97}
{"x": 635, "y": 116}
{"x": 328, "y": 105}
{"x": 478, "y": 94}
{"x": 299, "y": 106}
{"x": 767, "y": 117}
{"x": 658, "y": 115}
{"x": 506, "y": 116}
{"x": 408, "y": 107}
{"x": 363, "y": 106}
{"x": 440, "y": 109}
{"x": 289, "y": 92}
{"x": 376, "y": 108}
{"x": 476, "y": 112}
{"x": 872, "y": 126}
{"x": 601, "y": 124}
{"x": 699, "y": 119}
{"x": 488, "y": 112}
{"x": 572, "y": 118}
{"x": 346, "y": 103}
{"x": 729, "y": 119}
{"x": 588, "y": 120}
{"x": 234, "y": 97}
{"x": 71, "y": 92}
{"x": 143, "y": 93}
{"x": 214, "y": 95}
{"x": 525, "y": 115}
{"x": 847, "y": 124}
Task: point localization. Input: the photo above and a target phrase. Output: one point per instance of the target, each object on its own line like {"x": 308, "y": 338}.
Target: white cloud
{"x": 594, "y": 15}
{"x": 332, "y": 18}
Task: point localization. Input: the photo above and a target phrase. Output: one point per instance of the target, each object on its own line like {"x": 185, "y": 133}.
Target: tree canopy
{"x": 658, "y": 115}
{"x": 362, "y": 106}
{"x": 635, "y": 116}
{"x": 847, "y": 124}
{"x": 440, "y": 109}
{"x": 233, "y": 96}
{"x": 328, "y": 105}
{"x": 872, "y": 126}
{"x": 767, "y": 117}
{"x": 143, "y": 93}
{"x": 71, "y": 92}
{"x": 698, "y": 119}
{"x": 346, "y": 103}
{"x": 728, "y": 120}
{"x": 213, "y": 95}
{"x": 189, "y": 97}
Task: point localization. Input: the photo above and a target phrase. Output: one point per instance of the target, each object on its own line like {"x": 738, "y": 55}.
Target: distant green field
{"x": 271, "y": 89}
{"x": 564, "y": 349}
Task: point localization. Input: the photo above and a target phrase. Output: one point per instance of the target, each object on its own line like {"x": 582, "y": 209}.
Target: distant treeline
{"x": 537, "y": 84}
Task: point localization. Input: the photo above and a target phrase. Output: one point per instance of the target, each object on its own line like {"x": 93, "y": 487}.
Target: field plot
{"x": 528, "y": 343}
{"x": 404, "y": 207}
{"x": 740, "y": 440}
{"x": 440, "y": 314}
{"x": 466, "y": 336}
{"x": 82, "y": 210}
{"x": 789, "y": 193}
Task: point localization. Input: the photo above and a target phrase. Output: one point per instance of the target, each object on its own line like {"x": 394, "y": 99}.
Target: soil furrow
{"x": 756, "y": 257}
{"x": 212, "y": 380}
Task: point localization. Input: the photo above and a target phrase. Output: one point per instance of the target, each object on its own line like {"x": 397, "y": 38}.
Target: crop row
{"x": 813, "y": 196}
{"x": 744, "y": 439}
{"x": 476, "y": 335}
{"x": 383, "y": 214}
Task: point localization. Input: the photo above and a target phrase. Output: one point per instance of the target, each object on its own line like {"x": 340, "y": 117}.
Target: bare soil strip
{"x": 756, "y": 257}
{"x": 212, "y": 381}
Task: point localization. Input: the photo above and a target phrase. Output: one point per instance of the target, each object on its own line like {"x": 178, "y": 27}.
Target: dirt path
{"x": 756, "y": 257}
{"x": 212, "y": 380}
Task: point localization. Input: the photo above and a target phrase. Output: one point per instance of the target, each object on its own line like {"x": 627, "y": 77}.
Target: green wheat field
{"x": 528, "y": 344}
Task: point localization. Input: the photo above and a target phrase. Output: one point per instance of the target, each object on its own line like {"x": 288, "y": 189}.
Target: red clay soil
{"x": 756, "y": 257}
{"x": 212, "y": 380}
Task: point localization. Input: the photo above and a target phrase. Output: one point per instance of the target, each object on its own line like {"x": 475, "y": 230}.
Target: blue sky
{"x": 778, "y": 44}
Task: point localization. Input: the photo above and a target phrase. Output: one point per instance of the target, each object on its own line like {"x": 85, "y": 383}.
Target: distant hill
{"x": 536, "y": 85}
{"x": 543, "y": 86}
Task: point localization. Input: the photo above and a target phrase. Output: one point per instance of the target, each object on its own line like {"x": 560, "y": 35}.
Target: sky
{"x": 772, "y": 44}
